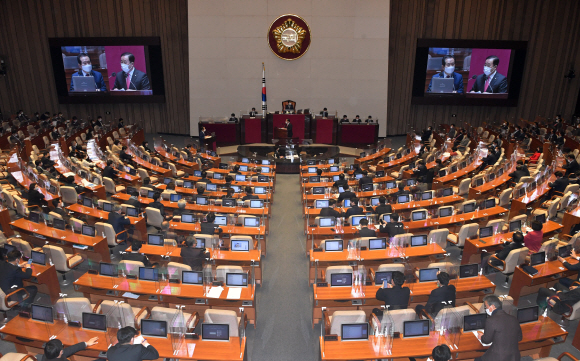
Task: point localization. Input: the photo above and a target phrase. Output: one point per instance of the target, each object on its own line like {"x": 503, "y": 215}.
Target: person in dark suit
{"x": 134, "y": 200}
{"x": 421, "y": 169}
{"x": 517, "y": 174}
{"x": 131, "y": 78}
{"x": 517, "y": 242}
{"x": 54, "y": 350}
{"x": 452, "y": 131}
{"x": 124, "y": 156}
{"x": 395, "y": 295}
{"x": 443, "y": 294}
{"x": 347, "y": 194}
{"x": 126, "y": 350}
{"x": 357, "y": 119}
{"x": 208, "y": 227}
{"x": 344, "y": 119}
{"x": 559, "y": 301}
{"x": 109, "y": 171}
{"x": 135, "y": 255}
{"x": 289, "y": 128}
{"x": 12, "y": 275}
{"x": 324, "y": 113}
{"x": 448, "y": 71}
{"x": 490, "y": 81}
{"x": 441, "y": 353}
{"x": 249, "y": 194}
{"x": 383, "y": 208}
{"x": 525, "y": 167}
{"x": 571, "y": 165}
{"x": 365, "y": 179}
{"x": 365, "y": 231}
{"x": 233, "y": 118}
{"x": 369, "y": 120}
{"x": 193, "y": 257}
{"x": 203, "y": 178}
{"x": 341, "y": 182}
{"x": 393, "y": 228}
{"x": 289, "y": 108}
{"x": 565, "y": 283}
{"x": 180, "y": 208}
{"x": 86, "y": 69}
{"x": 560, "y": 184}
{"x": 402, "y": 191}
{"x": 253, "y": 113}
{"x": 35, "y": 198}
{"x": 426, "y": 134}
{"x": 354, "y": 209}
{"x": 58, "y": 208}
{"x": 330, "y": 211}
{"x": 502, "y": 330}
{"x": 118, "y": 222}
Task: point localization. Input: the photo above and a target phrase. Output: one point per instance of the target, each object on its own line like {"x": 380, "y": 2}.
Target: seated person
{"x": 534, "y": 239}
{"x": 180, "y": 208}
{"x": 357, "y": 119}
{"x": 118, "y": 222}
{"x": 560, "y": 302}
{"x": 35, "y": 198}
{"x": 571, "y": 165}
{"x": 365, "y": 231}
{"x": 193, "y": 257}
{"x": 135, "y": 255}
{"x": 124, "y": 156}
{"x": 518, "y": 173}
{"x": 369, "y": 120}
{"x": 204, "y": 178}
{"x": 354, "y": 209}
{"x": 200, "y": 190}
{"x": 402, "y": 191}
{"x": 249, "y": 194}
{"x": 347, "y": 194}
{"x": 157, "y": 204}
{"x": 109, "y": 171}
{"x": 58, "y": 208}
{"x": 560, "y": 184}
{"x": 344, "y": 119}
{"x": 54, "y": 350}
{"x": 395, "y": 295}
{"x": 565, "y": 283}
{"x": 341, "y": 182}
{"x": 208, "y": 227}
{"x": 441, "y": 353}
{"x": 443, "y": 294}
{"x": 383, "y": 207}
{"x": 517, "y": 242}
{"x": 366, "y": 179}
{"x": 330, "y": 211}
{"x": 393, "y": 228}
{"x": 233, "y": 118}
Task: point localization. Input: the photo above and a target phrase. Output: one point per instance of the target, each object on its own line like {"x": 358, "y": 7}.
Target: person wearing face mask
{"x": 86, "y": 69}
{"x": 448, "y": 66}
{"x": 490, "y": 81}
{"x": 502, "y": 330}
{"x": 131, "y": 78}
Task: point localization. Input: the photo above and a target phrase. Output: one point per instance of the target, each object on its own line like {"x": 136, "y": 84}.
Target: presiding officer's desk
{"x": 471, "y": 289}
{"x": 538, "y": 339}
{"x": 98, "y": 215}
{"x": 248, "y": 260}
{"x": 194, "y": 297}
{"x": 30, "y": 336}
{"x": 494, "y": 243}
{"x": 419, "y": 256}
{"x": 94, "y": 248}
{"x": 548, "y": 274}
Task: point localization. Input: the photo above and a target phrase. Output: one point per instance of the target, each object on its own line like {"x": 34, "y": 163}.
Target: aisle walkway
{"x": 285, "y": 301}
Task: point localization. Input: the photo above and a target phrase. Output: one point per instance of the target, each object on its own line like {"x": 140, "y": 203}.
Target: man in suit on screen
{"x": 448, "y": 65}
{"x": 86, "y": 69}
{"x": 490, "y": 81}
{"x": 131, "y": 78}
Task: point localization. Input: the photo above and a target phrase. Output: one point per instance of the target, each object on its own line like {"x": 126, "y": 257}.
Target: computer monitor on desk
{"x": 94, "y": 321}
{"x": 148, "y": 274}
{"x": 537, "y": 258}
{"x": 108, "y": 269}
{"x": 428, "y": 274}
{"x": 154, "y": 328}
{"x": 468, "y": 270}
{"x": 420, "y": 240}
{"x": 88, "y": 231}
{"x": 215, "y": 332}
{"x": 321, "y": 203}
{"x": 155, "y": 240}
{"x": 382, "y": 277}
{"x": 41, "y": 313}
{"x": 419, "y": 328}
{"x": 38, "y": 258}
{"x": 236, "y": 279}
{"x": 333, "y": 245}
{"x": 528, "y": 314}
{"x": 515, "y": 225}
{"x": 474, "y": 322}
{"x": 377, "y": 243}
{"x": 341, "y": 280}
{"x": 192, "y": 277}
{"x": 354, "y": 332}
{"x": 240, "y": 245}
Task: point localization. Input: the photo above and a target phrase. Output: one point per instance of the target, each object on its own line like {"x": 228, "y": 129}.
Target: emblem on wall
{"x": 289, "y": 37}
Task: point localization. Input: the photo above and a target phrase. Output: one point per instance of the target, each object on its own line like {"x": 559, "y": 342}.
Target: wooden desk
{"x": 150, "y": 167}
{"x": 98, "y": 190}
{"x": 20, "y": 329}
{"x": 483, "y": 191}
{"x": 95, "y": 287}
{"x": 372, "y": 157}
{"x": 548, "y": 274}
{"x": 5, "y": 222}
{"x": 216, "y": 160}
{"x": 25, "y": 182}
{"x": 334, "y": 298}
{"x": 99, "y": 215}
{"x": 492, "y": 244}
{"x": 373, "y": 258}
{"x": 397, "y": 163}
{"x": 245, "y": 259}
{"x": 181, "y": 163}
{"x": 519, "y": 205}
{"x": 97, "y": 250}
{"x": 538, "y": 339}
{"x": 568, "y": 221}
{"x": 46, "y": 279}
{"x": 454, "y": 178}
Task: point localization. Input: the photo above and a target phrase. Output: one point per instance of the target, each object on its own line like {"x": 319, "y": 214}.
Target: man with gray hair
{"x": 167, "y": 233}
{"x": 180, "y": 208}
{"x": 502, "y": 330}
{"x": 118, "y": 222}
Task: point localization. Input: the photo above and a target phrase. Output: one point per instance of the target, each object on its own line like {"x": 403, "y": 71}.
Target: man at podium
{"x": 289, "y": 128}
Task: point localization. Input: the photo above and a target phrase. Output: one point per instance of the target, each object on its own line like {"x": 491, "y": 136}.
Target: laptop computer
{"x": 326, "y": 221}
{"x": 215, "y": 332}
{"x": 442, "y": 85}
{"x": 468, "y": 270}
{"x": 537, "y": 258}
{"x": 41, "y": 313}
{"x": 341, "y": 280}
{"x": 446, "y": 212}
{"x": 356, "y": 220}
{"x": 237, "y": 279}
{"x": 354, "y": 331}
{"x": 468, "y": 208}
{"x": 108, "y": 269}
{"x": 94, "y": 321}
{"x": 419, "y": 328}
{"x": 428, "y": 274}
{"x": 419, "y": 240}
{"x": 382, "y": 277}
{"x": 377, "y": 243}
{"x": 38, "y": 258}
{"x": 240, "y": 245}
{"x": 333, "y": 245}
{"x": 148, "y": 274}
{"x": 321, "y": 203}
{"x": 474, "y": 322}
{"x": 565, "y": 251}
{"x": 515, "y": 225}
{"x": 155, "y": 240}
{"x": 154, "y": 328}
{"x": 84, "y": 84}
{"x": 486, "y": 232}
{"x": 419, "y": 216}
{"x": 528, "y": 314}
{"x": 192, "y": 277}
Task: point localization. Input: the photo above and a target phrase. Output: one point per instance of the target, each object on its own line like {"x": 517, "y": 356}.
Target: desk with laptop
{"x": 154, "y": 287}
{"x": 30, "y": 334}
{"x": 398, "y": 160}
{"x": 88, "y": 209}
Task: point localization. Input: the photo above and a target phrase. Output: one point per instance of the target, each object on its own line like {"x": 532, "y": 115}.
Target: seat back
{"x": 466, "y": 231}
{"x": 400, "y": 316}
{"x": 401, "y": 239}
{"x": 22, "y": 246}
{"x": 77, "y": 224}
{"x": 340, "y": 318}
{"x": 73, "y": 307}
{"x": 142, "y": 173}
{"x": 497, "y": 225}
{"x": 572, "y": 188}
{"x": 391, "y": 267}
{"x": 130, "y": 267}
{"x": 448, "y": 316}
{"x": 57, "y": 256}
{"x": 20, "y": 207}
{"x": 144, "y": 190}
{"x": 221, "y": 271}
{"x": 505, "y": 197}
{"x": 123, "y": 312}
{"x": 223, "y": 317}
{"x": 553, "y": 207}
{"x": 175, "y": 269}
{"x": 109, "y": 185}
{"x": 441, "y": 266}
{"x": 438, "y": 236}
{"x": 175, "y": 320}
{"x": 108, "y": 231}
{"x": 337, "y": 269}
{"x": 549, "y": 245}
{"x": 467, "y": 203}
{"x": 154, "y": 217}
{"x": 463, "y": 188}
{"x": 515, "y": 258}
{"x": 244, "y": 238}
{"x": 69, "y": 195}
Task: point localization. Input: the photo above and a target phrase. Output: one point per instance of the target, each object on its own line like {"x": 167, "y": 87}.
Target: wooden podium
{"x": 209, "y": 142}
{"x": 280, "y": 133}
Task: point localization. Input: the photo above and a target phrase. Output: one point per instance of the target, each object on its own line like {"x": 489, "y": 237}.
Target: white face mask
{"x": 486, "y": 70}
{"x": 125, "y": 67}
{"x": 449, "y": 69}
{"x": 488, "y": 311}
{"x": 87, "y": 68}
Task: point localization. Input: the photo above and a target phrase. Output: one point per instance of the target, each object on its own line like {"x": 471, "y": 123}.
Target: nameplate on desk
{"x": 74, "y": 323}
{"x": 322, "y": 284}
{"x": 356, "y": 302}
{"x": 331, "y": 338}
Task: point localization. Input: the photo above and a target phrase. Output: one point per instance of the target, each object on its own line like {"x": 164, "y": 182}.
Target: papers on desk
{"x": 234, "y": 293}
{"x": 68, "y": 174}
{"x": 80, "y": 246}
{"x": 86, "y": 183}
{"x": 130, "y": 295}
{"x": 446, "y": 154}
{"x": 215, "y": 292}
{"x": 483, "y": 344}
